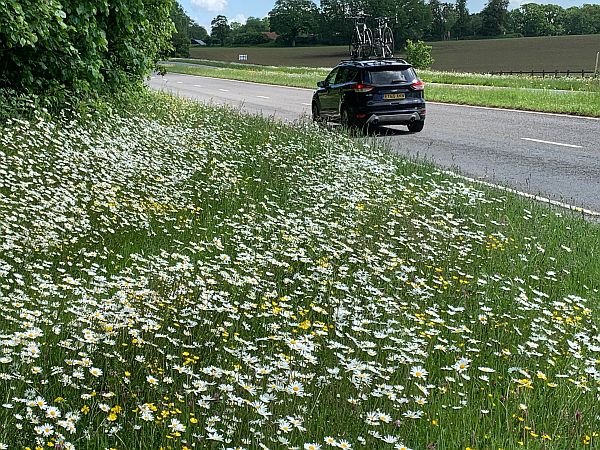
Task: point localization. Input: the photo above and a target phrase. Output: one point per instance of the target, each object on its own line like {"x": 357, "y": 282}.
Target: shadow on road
{"x": 386, "y": 131}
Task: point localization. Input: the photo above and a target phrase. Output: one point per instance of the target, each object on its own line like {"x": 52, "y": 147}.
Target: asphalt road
{"x": 554, "y": 156}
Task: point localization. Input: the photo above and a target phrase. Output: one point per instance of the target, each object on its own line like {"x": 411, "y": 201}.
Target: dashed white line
{"x": 306, "y": 104}
{"x": 197, "y": 85}
{"x": 224, "y": 90}
{"x": 180, "y": 82}
{"x": 262, "y": 96}
{"x": 551, "y": 143}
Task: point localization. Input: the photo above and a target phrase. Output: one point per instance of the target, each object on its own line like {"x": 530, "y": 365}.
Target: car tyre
{"x": 345, "y": 118}
{"x": 316, "y": 114}
{"x": 416, "y": 126}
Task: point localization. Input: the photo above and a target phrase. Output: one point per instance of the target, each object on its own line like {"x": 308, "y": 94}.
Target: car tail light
{"x": 418, "y": 85}
{"x": 363, "y": 88}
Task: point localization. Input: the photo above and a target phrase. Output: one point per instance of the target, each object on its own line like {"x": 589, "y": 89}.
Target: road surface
{"x": 551, "y": 155}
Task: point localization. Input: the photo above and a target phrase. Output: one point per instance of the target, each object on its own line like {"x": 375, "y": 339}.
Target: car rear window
{"x": 391, "y": 76}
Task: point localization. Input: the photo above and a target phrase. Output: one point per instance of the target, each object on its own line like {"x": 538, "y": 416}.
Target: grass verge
{"x": 180, "y": 276}
{"x": 566, "y": 96}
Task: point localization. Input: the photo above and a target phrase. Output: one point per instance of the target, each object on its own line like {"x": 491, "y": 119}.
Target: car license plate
{"x": 393, "y": 96}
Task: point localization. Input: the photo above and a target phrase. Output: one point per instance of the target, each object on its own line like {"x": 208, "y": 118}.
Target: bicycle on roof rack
{"x": 361, "y": 45}
{"x": 366, "y": 42}
{"x": 383, "y": 39}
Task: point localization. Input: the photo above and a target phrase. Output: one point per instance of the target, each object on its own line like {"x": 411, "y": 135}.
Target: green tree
{"x": 250, "y": 33}
{"x": 443, "y": 18}
{"x": 462, "y": 27}
{"x": 584, "y": 20}
{"x": 334, "y": 27}
{"x": 290, "y": 18}
{"x": 533, "y": 19}
{"x": 494, "y": 18}
{"x": 413, "y": 17}
{"x": 418, "y": 54}
{"x": 81, "y": 46}
{"x": 181, "y": 36}
{"x": 198, "y": 32}
{"x": 220, "y": 29}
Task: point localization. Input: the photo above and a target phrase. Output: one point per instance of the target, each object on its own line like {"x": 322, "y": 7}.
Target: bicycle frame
{"x": 366, "y": 42}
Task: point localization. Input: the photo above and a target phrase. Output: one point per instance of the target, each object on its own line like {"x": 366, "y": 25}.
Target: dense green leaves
{"x": 290, "y": 18}
{"x": 220, "y": 29}
{"x": 418, "y": 54}
{"x": 494, "y": 17}
{"x": 76, "y": 47}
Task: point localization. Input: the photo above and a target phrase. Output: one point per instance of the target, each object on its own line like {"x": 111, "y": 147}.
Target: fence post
{"x": 543, "y": 73}
{"x": 596, "y": 69}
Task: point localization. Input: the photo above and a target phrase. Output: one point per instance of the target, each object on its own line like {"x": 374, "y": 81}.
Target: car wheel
{"x": 416, "y": 126}
{"x": 345, "y": 118}
{"x": 316, "y": 114}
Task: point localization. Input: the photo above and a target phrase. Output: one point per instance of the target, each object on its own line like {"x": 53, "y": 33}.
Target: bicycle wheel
{"x": 355, "y": 46}
{"x": 387, "y": 43}
{"x": 377, "y": 46}
{"x": 367, "y": 47}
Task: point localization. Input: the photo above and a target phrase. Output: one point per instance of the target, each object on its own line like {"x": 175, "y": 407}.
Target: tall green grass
{"x": 178, "y": 276}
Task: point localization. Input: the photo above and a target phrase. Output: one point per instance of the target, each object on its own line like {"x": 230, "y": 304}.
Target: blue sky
{"x": 203, "y": 11}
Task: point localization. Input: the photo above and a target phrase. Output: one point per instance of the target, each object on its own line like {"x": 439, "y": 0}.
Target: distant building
{"x": 271, "y": 35}
{"x": 198, "y": 42}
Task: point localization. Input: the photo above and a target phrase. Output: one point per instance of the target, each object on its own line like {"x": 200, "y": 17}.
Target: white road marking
{"x": 180, "y": 82}
{"x": 552, "y": 143}
{"x": 538, "y": 198}
{"x": 224, "y": 90}
{"x": 197, "y": 85}
{"x": 430, "y": 102}
{"x": 469, "y": 179}
{"x": 262, "y": 96}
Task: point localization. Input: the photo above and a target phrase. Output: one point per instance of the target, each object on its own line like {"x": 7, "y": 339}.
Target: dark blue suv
{"x": 371, "y": 93}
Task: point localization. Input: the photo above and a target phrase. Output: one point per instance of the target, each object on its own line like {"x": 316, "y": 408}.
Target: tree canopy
{"x": 290, "y": 18}
{"x": 220, "y": 29}
{"x": 80, "y": 46}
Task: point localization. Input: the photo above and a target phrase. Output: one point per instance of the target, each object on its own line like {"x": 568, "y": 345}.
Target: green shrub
{"x": 78, "y": 47}
{"x": 418, "y": 54}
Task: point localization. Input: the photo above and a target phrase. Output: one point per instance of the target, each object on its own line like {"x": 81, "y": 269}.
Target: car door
{"x": 327, "y": 97}
{"x": 345, "y": 83}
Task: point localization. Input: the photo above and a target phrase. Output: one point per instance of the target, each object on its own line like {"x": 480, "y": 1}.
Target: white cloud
{"x": 211, "y": 5}
{"x": 240, "y": 18}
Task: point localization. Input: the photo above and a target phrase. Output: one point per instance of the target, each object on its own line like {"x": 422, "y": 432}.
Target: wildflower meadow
{"x": 177, "y": 276}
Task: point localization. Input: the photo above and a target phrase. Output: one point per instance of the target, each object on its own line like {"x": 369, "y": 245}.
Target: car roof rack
{"x": 374, "y": 61}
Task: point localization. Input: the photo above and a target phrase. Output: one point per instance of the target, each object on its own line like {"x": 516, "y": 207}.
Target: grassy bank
{"x": 582, "y": 97}
{"x": 179, "y": 276}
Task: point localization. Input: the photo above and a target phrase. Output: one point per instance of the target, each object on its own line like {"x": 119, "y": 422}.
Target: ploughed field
{"x": 491, "y": 55}
{"x": 179, "y": 276}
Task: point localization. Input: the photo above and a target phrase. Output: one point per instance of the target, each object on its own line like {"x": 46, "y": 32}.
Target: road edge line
{"x": 535, "y": 197}
{"x": 428, "y": 101}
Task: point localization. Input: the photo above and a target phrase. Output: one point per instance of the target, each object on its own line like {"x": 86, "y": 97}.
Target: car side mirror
{"x": 321, "y": 84}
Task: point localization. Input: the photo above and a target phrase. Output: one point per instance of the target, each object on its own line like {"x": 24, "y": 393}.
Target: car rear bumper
{"x": 390, "y": 116}
{"x": 398, "y": 119}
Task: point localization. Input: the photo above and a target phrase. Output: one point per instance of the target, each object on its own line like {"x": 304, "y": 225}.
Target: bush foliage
{"x": 80, "y": 46}
{"x": 419, "y": 54}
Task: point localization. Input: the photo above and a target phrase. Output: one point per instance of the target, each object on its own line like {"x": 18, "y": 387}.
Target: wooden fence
{"x": 548, "y": 73}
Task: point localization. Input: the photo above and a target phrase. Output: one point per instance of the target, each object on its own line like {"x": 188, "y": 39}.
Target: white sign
{"x": 242, "y": 57}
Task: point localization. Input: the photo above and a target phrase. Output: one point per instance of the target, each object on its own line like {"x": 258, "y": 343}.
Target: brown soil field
{"x": 540, "y": 53}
